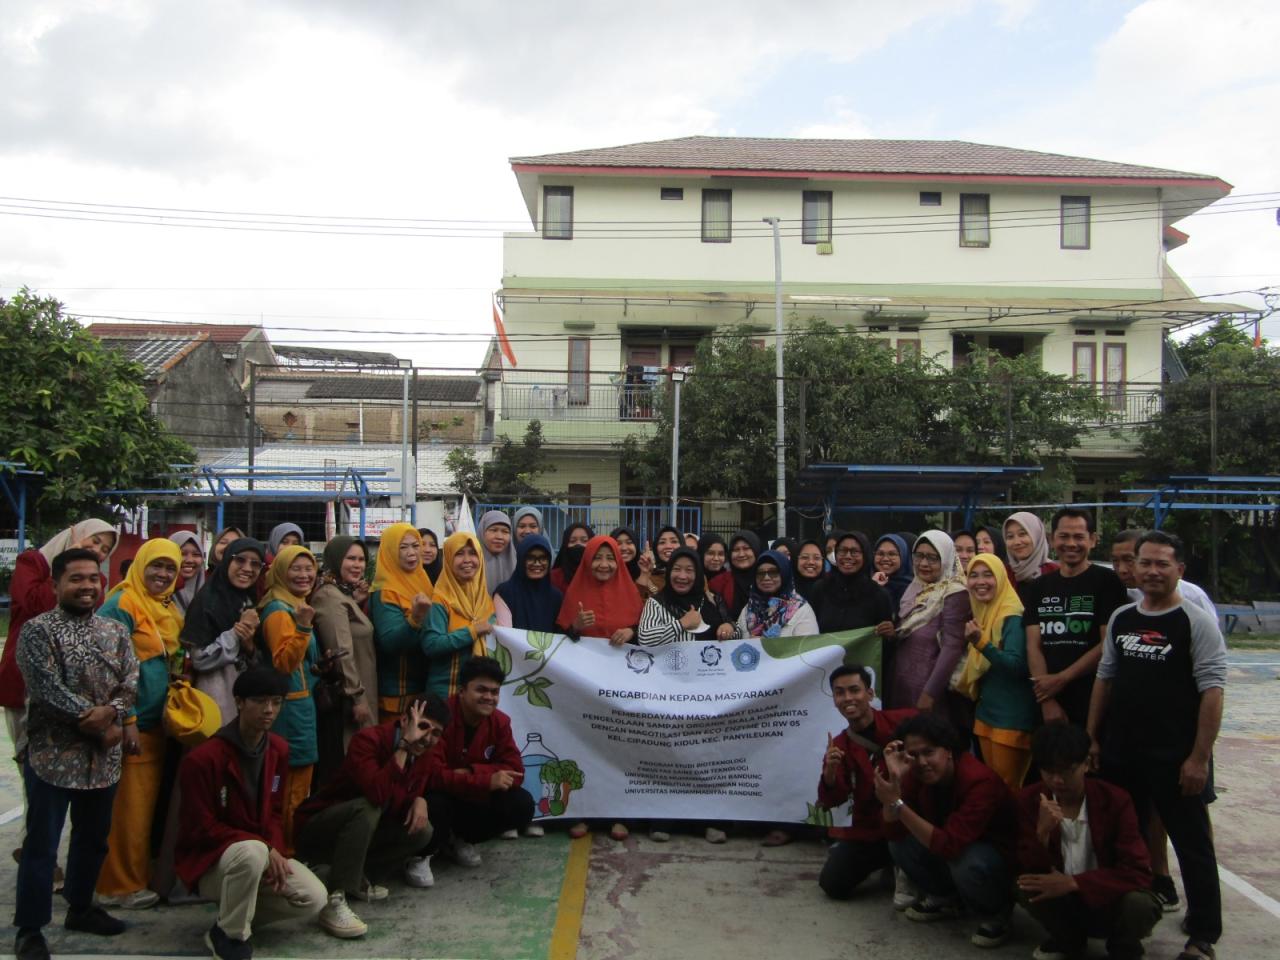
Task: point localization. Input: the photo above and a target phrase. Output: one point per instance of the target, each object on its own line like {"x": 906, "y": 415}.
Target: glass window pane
{"x": 1075, "y": 223}
{"x": 579, "y": 373}
{"x": 816, "y": 212}
{"x": 975, "y": 220}
{"x": 557, "y": 213}
{"x": 717, "y": 216}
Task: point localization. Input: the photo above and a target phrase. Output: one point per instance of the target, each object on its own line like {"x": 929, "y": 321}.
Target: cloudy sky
{"x": 381, "y": 109}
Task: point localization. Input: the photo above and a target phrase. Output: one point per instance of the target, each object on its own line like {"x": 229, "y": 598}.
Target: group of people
{"x": 360, "y": 728}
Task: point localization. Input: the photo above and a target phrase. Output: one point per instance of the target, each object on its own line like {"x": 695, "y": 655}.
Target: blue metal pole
{"x": 22, "y": 514}
{"x": 221, "y": 514}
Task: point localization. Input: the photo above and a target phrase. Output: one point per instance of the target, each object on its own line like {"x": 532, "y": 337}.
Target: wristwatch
{"x": 897, "y": 804}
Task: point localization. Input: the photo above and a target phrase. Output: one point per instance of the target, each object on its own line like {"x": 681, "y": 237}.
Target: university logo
{"x": 711, "y": 655}
{"x": 639, "y": 661}
{"x": 745, "y": 658}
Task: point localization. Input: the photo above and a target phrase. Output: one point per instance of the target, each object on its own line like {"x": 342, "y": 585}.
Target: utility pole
{"x": 252, "y": 438}
{"x": 408, "y": 493}
{"x": 1213, "y": 472}
{"x": 677, "y": 378}
{"x": 781, "y": 441}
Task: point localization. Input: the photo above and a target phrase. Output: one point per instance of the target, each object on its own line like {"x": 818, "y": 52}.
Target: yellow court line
{"x": 573, "y": 899}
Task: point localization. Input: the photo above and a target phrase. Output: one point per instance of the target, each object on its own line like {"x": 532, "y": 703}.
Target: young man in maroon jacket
{"x": 231, "y": 835}
{"x": 950, "y": 824}
{"x": 373, "y": 813}
{"x": 1083, "y": 860}
{"x": 475, "y": 792}
{"x": 847, "y": 784}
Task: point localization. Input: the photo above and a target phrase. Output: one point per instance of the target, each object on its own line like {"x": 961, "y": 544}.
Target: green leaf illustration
{"x": 533, "y": 654}
{"x": 538, "y": 696}
{"x": 502, "y": 655}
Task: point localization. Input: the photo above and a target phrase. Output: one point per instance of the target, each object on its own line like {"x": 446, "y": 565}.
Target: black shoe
{"x": 1162, "y": 886}
{"x": 93, "y": 919}
{"x": 30, "y": 945}
{"x": 226, "y": 948}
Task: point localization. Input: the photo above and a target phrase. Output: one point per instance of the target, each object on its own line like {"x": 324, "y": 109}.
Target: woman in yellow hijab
{"x": 996, "y": 670}
{"x": 291, "y": 643}
{"x": 143, "y": 602}
{"x": 399, "y": 600}
{"x": 461, "y": 616}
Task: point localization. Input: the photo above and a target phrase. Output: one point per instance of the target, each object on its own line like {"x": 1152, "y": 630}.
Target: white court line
{"x": 10, "y": 815}
{"x": 1243, "y": 886}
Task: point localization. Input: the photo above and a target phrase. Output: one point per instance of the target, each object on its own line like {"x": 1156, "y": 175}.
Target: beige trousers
{"x": 236, "y": 885}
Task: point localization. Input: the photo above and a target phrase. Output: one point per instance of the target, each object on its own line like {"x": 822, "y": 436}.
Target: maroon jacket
{"x": 858, "y": 777}
{"x": 370, "y": 771}
{"x": 215, "y": 811}
{"x": 492, "y": 748}
{"x": 30, "y": 594}
{"x": 1123, "y": 863}
{"x": 980, "y": 807}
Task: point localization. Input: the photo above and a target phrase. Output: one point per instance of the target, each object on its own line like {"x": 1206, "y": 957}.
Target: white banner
{"x": 693, "y": 731}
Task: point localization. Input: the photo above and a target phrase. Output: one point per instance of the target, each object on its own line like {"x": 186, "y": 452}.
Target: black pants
{"x": 476, "y": 822}
{"x": 849, "y": 862}
{"x": 1123, "y": 923}
{"x": 46, "y": 812}
{"x": 1154, "y": 785}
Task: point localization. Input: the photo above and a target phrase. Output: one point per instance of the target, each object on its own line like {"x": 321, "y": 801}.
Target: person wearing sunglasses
{"x": 372, "y": 816}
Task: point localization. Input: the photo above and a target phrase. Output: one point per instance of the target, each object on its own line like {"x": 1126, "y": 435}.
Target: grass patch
{"x": 1253, "y": 641}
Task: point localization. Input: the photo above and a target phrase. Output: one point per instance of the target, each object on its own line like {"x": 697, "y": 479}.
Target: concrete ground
{"x": 600, "y": 900}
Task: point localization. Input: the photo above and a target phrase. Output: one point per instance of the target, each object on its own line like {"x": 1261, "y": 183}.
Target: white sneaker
{"x": 338, "y": 920}
{"x": 715, "y": 835}
{"x": 659, "y": 836}
{"x": 370, "y": 892}
{"x": 464, "y": 854}
{"x": 417, "y": 872}
{"x": 904, "y": 891}
{"x": 510, "y": 835}
{"x": 143, "y": 899}
{"x": 534, "y": 830}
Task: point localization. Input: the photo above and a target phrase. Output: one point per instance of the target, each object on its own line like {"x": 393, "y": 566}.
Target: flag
{"x": 501, "y": 330}
{"x": 465, "y": 521}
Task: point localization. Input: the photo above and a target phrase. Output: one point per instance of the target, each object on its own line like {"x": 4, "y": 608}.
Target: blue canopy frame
{"x": 13, "y": 483}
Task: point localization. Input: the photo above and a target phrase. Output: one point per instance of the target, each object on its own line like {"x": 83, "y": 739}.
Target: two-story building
{"x": 638, "y": 251}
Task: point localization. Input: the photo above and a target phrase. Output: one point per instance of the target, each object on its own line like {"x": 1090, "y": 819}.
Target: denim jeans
{"x": 46, "y": 812}
{"x": 979, "y": 876}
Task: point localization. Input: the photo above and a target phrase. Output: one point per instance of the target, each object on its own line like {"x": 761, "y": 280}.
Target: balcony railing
{"x": 1131, "y": 404}
{"x": 580, "y": 402}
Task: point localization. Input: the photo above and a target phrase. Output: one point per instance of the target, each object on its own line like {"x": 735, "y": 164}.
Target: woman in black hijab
{"x": 572, "y": 545}
{"x": 848, "y": 598}
{"x": 739, "y": 576}
{"x": 222, "y": 621}
{"x": 431, "y": 559}
{"x": 809, "y": 566}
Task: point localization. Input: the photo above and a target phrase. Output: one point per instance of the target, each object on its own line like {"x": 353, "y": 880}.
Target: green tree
{"x": 852, "y": 401}
{"x": 75, "y": 411}
{"x": 511, "y": 476}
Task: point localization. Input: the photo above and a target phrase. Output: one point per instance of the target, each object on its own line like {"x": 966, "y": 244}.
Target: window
{"x": 1075, "y": 223}
{"x": 816, "y": 209}
{"x": 672, "y": 193}
{"x": 975, "y": 219}
{"x": 930, "y": 198}
{"x": 557, "y": 213}
{"x": 1113, "y": 374}
{"x": 579, "y": 370}
{"x": 717, "y": 216}
{"x": 1084, "y": 361}
{"x": 908, "y": 351}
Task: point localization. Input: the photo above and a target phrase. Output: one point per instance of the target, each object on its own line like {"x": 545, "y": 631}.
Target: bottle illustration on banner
{"x": 557, "y": 778}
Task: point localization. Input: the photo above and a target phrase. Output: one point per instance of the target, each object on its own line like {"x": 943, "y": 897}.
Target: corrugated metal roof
{"x": 320, "y": 355}
{"x": 925, "y": 157}
{"x": 374, "y": 387}
{"x": 155, "y": 354}
{"x": 217, "y": 332}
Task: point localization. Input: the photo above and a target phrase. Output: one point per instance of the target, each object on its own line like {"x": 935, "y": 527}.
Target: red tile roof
{"x": 948, "y": 158}
{"x": 217, "y": 332}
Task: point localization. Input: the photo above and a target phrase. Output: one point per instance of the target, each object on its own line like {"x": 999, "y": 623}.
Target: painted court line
{"x": 573, "y": 900}
{"x": 10, "y": 815}
{"x": 1248, "y": 890}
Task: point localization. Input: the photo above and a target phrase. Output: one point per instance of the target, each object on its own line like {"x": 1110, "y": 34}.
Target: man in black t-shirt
{"x": 1065, "y": 617}
{"x": 1154, "y": 716}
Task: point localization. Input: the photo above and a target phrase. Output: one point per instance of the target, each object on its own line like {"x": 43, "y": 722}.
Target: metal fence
{"x": 603, "y": 516}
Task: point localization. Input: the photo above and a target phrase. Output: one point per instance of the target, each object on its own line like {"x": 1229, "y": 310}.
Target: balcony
{"x": 580, "y": 402}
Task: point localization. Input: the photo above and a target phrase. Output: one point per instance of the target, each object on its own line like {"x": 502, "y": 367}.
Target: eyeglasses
{"x": 247, "y": 562}
{"x": 929, "y": 559}
{"x": 881, "y": 555}
{"x": 537, "y": 560}
{"x": 768, "y": 574}
{"x": 849, "y": 552}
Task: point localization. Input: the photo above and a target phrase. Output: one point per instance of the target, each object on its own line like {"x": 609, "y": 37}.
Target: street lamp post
{"x": 677, "y": 378}
{"x": 781, "y": 448}
{"x": 407, "y": 499}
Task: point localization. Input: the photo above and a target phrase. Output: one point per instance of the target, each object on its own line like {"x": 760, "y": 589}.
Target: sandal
{"x": 578, "y": 830}
{"x": 1197, "y": 950}
{"x": 776, "y": 838}
{"x": 619, "y": 831}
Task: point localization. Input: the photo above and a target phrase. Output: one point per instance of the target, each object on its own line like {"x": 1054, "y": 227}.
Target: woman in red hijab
{"x": 601, "y": 600}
